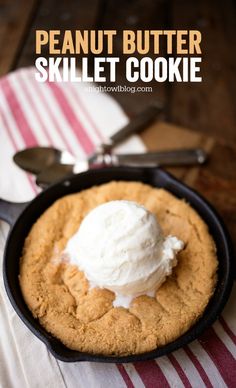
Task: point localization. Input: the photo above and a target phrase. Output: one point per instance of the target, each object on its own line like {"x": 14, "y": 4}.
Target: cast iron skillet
{"x": 22, "y": 216}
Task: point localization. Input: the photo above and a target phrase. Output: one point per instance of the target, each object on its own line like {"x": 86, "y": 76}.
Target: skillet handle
{"x": 9, "y": 211}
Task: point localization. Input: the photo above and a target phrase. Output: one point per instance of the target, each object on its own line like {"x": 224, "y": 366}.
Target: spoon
{"x": 37, "y": 159}
{"x": 180, "y": 157}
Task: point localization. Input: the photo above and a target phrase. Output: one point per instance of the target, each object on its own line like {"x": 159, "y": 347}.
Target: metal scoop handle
{"x": 180, "y": 157}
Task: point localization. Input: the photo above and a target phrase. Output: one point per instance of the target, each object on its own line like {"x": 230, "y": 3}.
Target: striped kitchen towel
{"x": 77, "y": 118}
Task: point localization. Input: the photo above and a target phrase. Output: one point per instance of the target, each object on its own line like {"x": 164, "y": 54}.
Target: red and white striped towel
{"x": 67, "y": 116}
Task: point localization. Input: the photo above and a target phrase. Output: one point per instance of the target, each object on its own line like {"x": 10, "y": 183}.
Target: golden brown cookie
{"x": 58, "y": 295}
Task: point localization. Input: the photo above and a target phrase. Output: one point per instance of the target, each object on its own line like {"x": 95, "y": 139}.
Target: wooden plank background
{"x": 208, "y": 107}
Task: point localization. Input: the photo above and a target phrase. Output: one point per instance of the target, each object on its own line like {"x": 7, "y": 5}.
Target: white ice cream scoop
{"x": 120, "y": 246}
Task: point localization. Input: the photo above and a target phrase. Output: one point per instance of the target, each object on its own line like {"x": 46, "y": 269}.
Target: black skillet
{"x": 22, "y": 216}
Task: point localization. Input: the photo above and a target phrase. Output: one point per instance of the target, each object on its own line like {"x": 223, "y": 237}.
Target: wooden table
{"x": 216, "y": 180}
{"x": 207, "y": 109}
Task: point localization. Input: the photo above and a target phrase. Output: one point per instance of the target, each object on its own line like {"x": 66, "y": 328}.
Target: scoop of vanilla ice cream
{"x": 120, "y": 246}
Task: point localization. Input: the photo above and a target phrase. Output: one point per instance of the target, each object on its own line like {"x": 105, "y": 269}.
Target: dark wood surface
{"x": 207, "y": 109}
{"x": 216, "y": 180}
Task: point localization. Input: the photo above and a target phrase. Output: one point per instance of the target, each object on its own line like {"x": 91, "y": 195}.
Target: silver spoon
{"x": 181, "y": 157}
{"x": 37, "y": 159}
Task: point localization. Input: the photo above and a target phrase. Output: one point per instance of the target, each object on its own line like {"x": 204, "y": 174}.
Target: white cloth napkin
{"x": 24, "y": 360}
